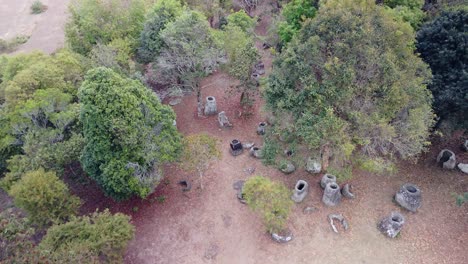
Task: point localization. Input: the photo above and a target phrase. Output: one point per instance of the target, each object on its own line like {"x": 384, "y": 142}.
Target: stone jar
{"x": 391, "y": 225}
{"x": 210, "y": 106}
{"x": 326, "y": 179}
{"x": 300, "y": 191}
{"x": 287, "y": 167}
{"x": 261, "y": 129}
{"x": 409, "y": 197}
{"x": 331, "y": 194}
{"x": 313, "y": 166}
{"x": 236, "y": 147}
{"x": 447, "y": 159}
{"x": 256, "y": 152}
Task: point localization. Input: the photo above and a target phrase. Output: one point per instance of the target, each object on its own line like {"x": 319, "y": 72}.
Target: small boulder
{"x": 447, "y": 159}
{"x": 287, "y": 167}
{"x": 463, "y": 167}
{"x": 282, "y": 237}
{"x": 409, "y": 197}
{"x": 326, "y": 179}
{"x": 313, "y": 166}
{"x": 332, "y": 194}
{"x": 223, "y": 121}
{"x": 300, "y": 191}
{"x": 392, "y": 224}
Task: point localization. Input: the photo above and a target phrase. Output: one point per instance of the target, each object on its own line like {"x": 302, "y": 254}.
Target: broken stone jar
{"x": 391, "y": 225}
{"x": 409, "y": 197}
{"x": 331, "y": 194}
{"x": 223, "y": 120}
{"x": 236, "y": 147}
{"x": 447, "y": 159}
{"x": 300, "y": 191}
{"x": 326, "y": 179}
{"x": 287, "y": 167}
{"x": 261, "y": 128}
{"x": 256, "y": 152}
{"x": 313, "y": 166}
{"x": 210, "y": 106}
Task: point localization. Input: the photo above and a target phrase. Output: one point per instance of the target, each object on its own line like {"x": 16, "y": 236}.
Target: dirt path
{"x": 46, "y": 30}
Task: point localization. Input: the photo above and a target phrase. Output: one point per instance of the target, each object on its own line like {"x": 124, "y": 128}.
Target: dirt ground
{"x": 46, "y": 30}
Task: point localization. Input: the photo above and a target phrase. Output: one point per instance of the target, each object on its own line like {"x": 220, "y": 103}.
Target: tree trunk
{"x": 199, "y": 102}
{"x": 325, "y": 157}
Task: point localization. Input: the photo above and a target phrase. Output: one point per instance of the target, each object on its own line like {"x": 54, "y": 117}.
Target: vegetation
{"x": 270, "y": 199}
{"x": 352, "y": 85}
{"x": 442, "y": 44}
{"x": 294, "y": 14}
{"x": 45, "y": 197}
{"x": 199, "y": 151}
{"x": 38, "y": 7}
{"x": 129, "y": 134}
{"x": 88, "y": 239}
{"x": 7, "y": 46}
{"x": 409, "y": 10}
{"x": 461, "y": 198}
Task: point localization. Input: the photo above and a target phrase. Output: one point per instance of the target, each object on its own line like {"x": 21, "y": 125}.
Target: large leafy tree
{"x": 443, "y": 44}
{"x": 350, "y": 81}
{"x": 294, "y": 14}
{"x": 129, "y": 134}
{"x": 190, "y": 53}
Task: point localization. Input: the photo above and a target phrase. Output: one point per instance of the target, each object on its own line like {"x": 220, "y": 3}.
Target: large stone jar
{"x": 447, "y": 159}
{"x": 300, "y": 191}
{"x": 326, "y": 179}
{"x": 409, "y": 197}
{"x": 331, "y": 194}
{"x": 391, "y": 225}
{"x": 210, "y": 106}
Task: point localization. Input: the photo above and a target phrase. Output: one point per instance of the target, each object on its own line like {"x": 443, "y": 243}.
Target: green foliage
{"x": 129, "y": 134}
{"x": 443, "y": 45}
{"x": 87, "y": 239}
{"x": 150, "y": 43}
{"x": 241, "y": 20}
{"x": 351, "y": 81}
{"x": 342, "y": 173}
{"x": 272, "y": 200}
{"x": 294, "y": 14}
{"x": 461, "y": 198}
{"x": 38, "y": 7}
{"x": 7, "y": 46}
{"x": 45, "y": 197}
{"x": 199, "y": 151}
{"x": 409, "y": 10}
{"x": 408, "y": 3}
{"x": 270, "y": 150}
{"x": 376, "y": 165}
{"x": 102, "y": 21}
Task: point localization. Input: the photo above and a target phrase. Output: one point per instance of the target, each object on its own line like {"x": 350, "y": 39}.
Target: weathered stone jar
{"x": 331, "y": 194}
{"x": 409, "y": 197}
{"x": 256, "y": 152}
{"x": 447, "y": 159}
{"x": 313, "y": 166}
{"x": 300, "y": 191}
{"x": 391, "y": 225}
{"x": 236, "y": 147}
{"x": 261, "y": 129}
{"x": 326, "y": 179}
{"x": 210, "y": 106}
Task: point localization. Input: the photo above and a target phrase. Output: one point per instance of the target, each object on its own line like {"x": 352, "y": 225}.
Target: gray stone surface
{"x": 465, "y": 145}
{"x": 239, "y": 185}
{"x": 256, "y": 152}
{"x": 340, "y": 218}
{"x": 310, "y": 209}
{"x": 300, "y": 191}
{"x": 261, "y": 128}
{"x": 248, "y": 145}
{"x": 282, "y": 237}
{"x": 391, "y": 225}
{"x": 326, "y": 179}
{"x": 210, "y": 106}
{"x": 223, "y": 120}
{"x": 447, "y": 159}
{"x": 313, "y": 166}
{"x": 288, "y": 167}
{"x": 346, "y": 191}
{"x": 175, "y": 101}
{"x": 463, "y": 167}
{"x": 409, "y": 197}
{"x": 331, "y": 194}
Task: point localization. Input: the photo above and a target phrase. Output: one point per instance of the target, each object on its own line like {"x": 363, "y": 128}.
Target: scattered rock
{"x": 340, "y": 218}
{"x": 463, "y": 167}
{"x": 256, "y": 152}
{"x": 346, "y": 191}
{"x": 465, "y": 146}
{"x": 212, "y": 251}
{"x": 332, "y": 194}
{"x": 186, "y": 184}
{"x": 248, "y": 145}
{"x": 227, "y": 220}
{"x": 326, "y": 179}
{"x": 210, "y": 106}
{"x": 409, "y": 197}
{"x": 261, "y": 128}
{"x": 447, "y": 159}
{"x": 309, "y": 209}
{"x": 249, "y": 171}
{"x": 288, "y": 167}
{"x": 236, "y": 147}
{"x": 223, "y": 120}
{"x": 238, "y": 185}
{"x": 300, "y": 191}
{"x": 392, "y": 224}
{"x": 259, "y": 68}
{"x": 175, "y": 101}
{"x": 282, "y": 237}
{"x": 313, "y": 166}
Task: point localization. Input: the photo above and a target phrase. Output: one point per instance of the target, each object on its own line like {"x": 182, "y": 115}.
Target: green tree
{"x": 150, "y": 43}
{"x": 190, "y": 53}
{"x": 443, "y": 44}
{"x": 45, "y": 197}
{"x": 272, "y": 200}
{"x": 88, "y": 239}
{"x": 102, "y": 21}
{"x": 241, "y": 20}
{"x": 409, "y": 10}
{"x": 350, "y": 81}
{"x": 294, "y": 14}
{"x": 199, "y": 151}
{"x": 129, "y": 134}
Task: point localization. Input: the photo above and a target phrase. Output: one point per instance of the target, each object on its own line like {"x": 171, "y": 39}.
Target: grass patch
{"x": 7, "y": 46}
{"x": 38, "y": 7}
{"x": 342, "y": 173}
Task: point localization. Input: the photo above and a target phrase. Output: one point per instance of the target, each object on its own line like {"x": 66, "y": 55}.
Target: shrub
{"x": 272, "y": 200}
{"x": 38, "y": 7}
{"x": 100, "y": 236}
{"x": 45, "y": 197}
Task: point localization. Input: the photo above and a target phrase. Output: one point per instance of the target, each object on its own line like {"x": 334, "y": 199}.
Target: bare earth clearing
{"x": 211, "y": 226}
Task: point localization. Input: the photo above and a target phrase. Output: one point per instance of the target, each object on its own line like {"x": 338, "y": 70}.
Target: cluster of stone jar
{"x": 332, "y": 193}
{"x": 237, "y": 148}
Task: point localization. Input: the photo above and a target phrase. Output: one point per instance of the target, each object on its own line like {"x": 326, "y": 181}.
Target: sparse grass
{"x": 38, "y": 7}
{"x": 7, "y": 46}
{"x": 342, "y": 173}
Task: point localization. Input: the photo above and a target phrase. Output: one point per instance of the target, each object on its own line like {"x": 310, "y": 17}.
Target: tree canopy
{"x": 129, "y": 134}
{"x": 350, "y": 81}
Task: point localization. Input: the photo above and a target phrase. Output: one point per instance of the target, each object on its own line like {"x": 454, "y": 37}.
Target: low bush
{"x": 38, "y": 7}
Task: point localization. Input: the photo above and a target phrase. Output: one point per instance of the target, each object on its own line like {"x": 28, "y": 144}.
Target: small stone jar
{"x": 236, "y": 147}
{"x": 391, "y": 225}
{"x": 326, "y": 179}
{"x": 210, "y": 106}
{"x": 261, "y": 128}
{"x": 409, "y": 197}
{"x": 300, "y": 191}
